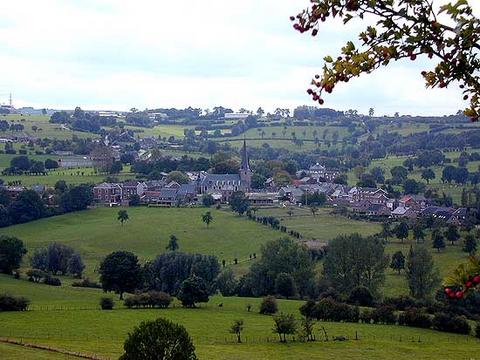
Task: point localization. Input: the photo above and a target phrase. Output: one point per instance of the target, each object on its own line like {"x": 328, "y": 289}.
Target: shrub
{"x": 152, "y": 338}
{"x": 366, "y": 316}
{"x": 87, "y": 283}
{"x": 13, "y": 303}
{"x": 416, "y": 318}
{"x": 269, "y": 306}
{"x": 384, "y": 315}
{"x": 361, "y": 296}
{"x": 401, "y": 302}
{"x": 329, "y": 309}
{"x": 330, "y": 293}
{"x": 450, "y": 323}
{"x": 106, "y": 303}
{"x": 51, "y": 280}
{"x": 307, "y": 309}
{"x": 36, "y": 275}
{"x": 160, "y": 299}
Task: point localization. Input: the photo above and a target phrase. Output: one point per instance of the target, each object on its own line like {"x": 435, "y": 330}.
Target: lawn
{"x": 93, "y": 331}
{"x": 95, "y": 233}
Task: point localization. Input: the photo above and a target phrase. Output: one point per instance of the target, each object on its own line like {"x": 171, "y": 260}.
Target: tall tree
{"x": 438, "y": 241}
{"x": 452, "y": 234}
{"x": 470, "y": 245}
{"x": 398, "y": 262}
{"x": 120, "y": 272}
{"x": 427, "y": 175}
{"x": 11, "y": 253}
{"x": 239, "y": 203}
{"x": 422, "y": 277}
{"x": 401, "y": 231}
{"x": 418, "y": 233}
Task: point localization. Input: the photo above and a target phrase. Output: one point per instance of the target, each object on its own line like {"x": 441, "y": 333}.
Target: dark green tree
{"x": 398, "y": 262}
{"x": 438, "y": 241}
{"x": 11, "y": 253}
{"x": 418, "y": 233}
{"x": 284, "y": 324}
{"x": 427, "y": 175}
{"x": 285, "y": 285}
{"x": 122, "y": 216}
{"x": 239, "y": 203}
{"x": 193, "y": 290}
{"x": 207, "y": 218}
{"x": 470, "y": 245}
{"x": 422, "y": 277}
{"x": 120, "y": 272}
{"x": 452, "y": 234}
{"x": 160, "y": 339}
{"x": 172, "y": 243}
{"x": 226, "y": 283}
{"x": 401, "y": 231}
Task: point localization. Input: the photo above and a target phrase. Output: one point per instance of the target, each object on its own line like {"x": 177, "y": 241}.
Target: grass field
{"x": 95, "y": 233}
{"x": 81, "y": 326}
{"x": 46, "y": 129}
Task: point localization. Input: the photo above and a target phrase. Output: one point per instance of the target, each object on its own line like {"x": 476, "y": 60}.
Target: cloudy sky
{"x": 118, "y": 54}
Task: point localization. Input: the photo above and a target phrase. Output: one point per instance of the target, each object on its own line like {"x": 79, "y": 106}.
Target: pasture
{"x": 83, "y": 327}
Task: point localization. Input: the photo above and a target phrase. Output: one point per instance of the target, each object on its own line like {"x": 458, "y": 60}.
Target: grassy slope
{"x": 94, "y": 331}
{"x": 95, "y": 233}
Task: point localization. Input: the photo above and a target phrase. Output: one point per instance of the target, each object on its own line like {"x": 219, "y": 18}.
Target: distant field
{"x": 71, "y": 176}
{"x": 99, "y": 332}
{"x": 47, "y": 130}
{"x": 160, "y": 130}
{"x": 96, "y": 233}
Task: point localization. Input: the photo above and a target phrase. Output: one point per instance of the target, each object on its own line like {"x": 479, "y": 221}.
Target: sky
{"x": 118, "y": 54}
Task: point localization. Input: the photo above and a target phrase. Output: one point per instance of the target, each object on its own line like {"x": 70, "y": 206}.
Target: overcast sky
{"x": 116, "y": 54}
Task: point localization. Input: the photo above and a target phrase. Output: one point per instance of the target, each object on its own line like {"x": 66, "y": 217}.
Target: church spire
{"x": 245, "y": 160}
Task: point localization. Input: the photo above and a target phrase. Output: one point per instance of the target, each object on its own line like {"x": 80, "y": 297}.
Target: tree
{"x": 26, "y": 207}
{"x": 398, "y": 262}
{"x": 120, "y": 272}
{"x": 226, "y": 283}
{"x": 438, "y": 241}
{"x": 76, "y": 198}
{"x": 427, "y": 175}
{"x": 313, "y": 210}
{"x": 55, "y": 258}
{"x": 418, "y": 233}
{"x": 178, "y": 177}
{"x": 470, "y": 245}
{"x": 284, "y": 324}
{"x": 386, "y": 231}
{"x": 355, "y": 260}
{"x": 371, "y": 112}
{"x": 238, "y": 202}
{"x": 452, "y": 41}
{"x": 237, "y": 328}
{"x": 51, "y": 164}
{"x": 422, "y": 277}
{"x": 122, "y": 216}
{"x": 399, "y": 174}
{"x": 268, "y": 306}
{"x": 452, "y": 234}
{"x": 193, "y": 290}
{"x": 172, "y": 243}
{"x": 401, "y": 231}
{"x": 11, "y": 253}
{"x": 76, "y": 265}
{"x": 207, "y": 218}
{"x": 285, "y": 285}
{"x": 159, "y": 339}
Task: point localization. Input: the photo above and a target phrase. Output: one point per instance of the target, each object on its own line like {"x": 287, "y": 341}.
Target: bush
{"x": 330, "y": 293}
{"x": 152, "y": 338}
{"x": 451, "y": 323}
{"x": 36, "y": 275}
{"x": 361, "y": 296}
{"x": 51, "y": 280}
{"x": 330, "y": 310}
{"x": 87, "y": 283}
{"x": 366, "y": 316}
{"x": 160, "y": 299}
{"x": 416, "y": 318}
{"x": 384, "y": 315}
{"x": 106, "y": 303}
{"x": 150, "y": 299}
{"x": 13, "y": 303}
{"x": 307, "y": 309}
{"x": 401, "y": 302}
{"x": 269, "y": 306}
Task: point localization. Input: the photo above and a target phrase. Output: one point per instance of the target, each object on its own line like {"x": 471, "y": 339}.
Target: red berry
{"x": 459, "y": 294}
{"x": 468, "y": 284}
{"x": 451, "y": 295}
{"x": 448, "y": 290}
{"x": 476, "y": 279}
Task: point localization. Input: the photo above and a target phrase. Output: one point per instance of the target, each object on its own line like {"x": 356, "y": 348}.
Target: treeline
{"x": 23, "y": 165}
{"x": 82, "y": 121}
{"x": 6, "y": 125}
{"x": 28, "y": 205}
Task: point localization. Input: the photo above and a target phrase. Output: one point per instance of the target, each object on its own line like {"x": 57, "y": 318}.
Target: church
{"x": 222, "y": 186}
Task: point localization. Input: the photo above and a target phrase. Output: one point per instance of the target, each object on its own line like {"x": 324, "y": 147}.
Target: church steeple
{"x": 245, "y": 160}
{"x": 245, "y": 171}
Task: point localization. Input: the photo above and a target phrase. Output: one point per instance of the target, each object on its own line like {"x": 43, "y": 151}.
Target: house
{"x": 165, "y": 196}
{"x": 403, "y": 212}
{"x": 290, "y": 193}
{"x": 438, "y": 212}
{"x": 377, "y": 210}
{"x": 261, "y": 198}
{"x": 130, "y": 188}
{"x": 108, "y": 193}
{"x": 415, "y": 202}
{"x": 373, "y": 195}
{"x": 322, "y": 174}
{"x": 187, "y": 193}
